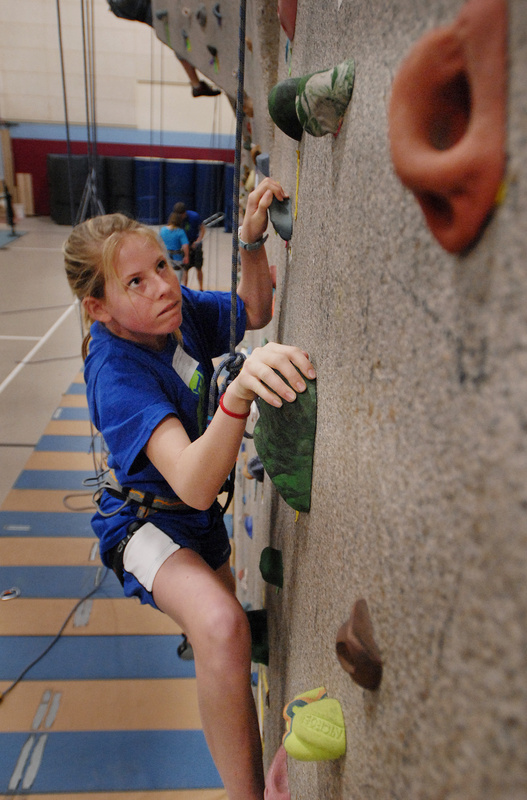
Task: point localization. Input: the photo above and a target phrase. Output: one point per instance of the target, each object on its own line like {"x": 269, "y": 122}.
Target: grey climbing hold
{"x": 281, "y": 215}
{"x": 201, "y": 15}
{"x": 262, "y": 163}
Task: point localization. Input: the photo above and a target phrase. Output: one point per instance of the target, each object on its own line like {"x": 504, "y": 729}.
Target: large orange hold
{"x": 447, "y": 122}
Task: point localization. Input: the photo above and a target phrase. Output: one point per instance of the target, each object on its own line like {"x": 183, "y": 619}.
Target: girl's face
{"x": 142, "y": 301}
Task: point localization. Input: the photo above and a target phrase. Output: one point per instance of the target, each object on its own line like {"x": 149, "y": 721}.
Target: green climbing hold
{"x": 315, "y": 103}
{"x": 259, "y": 636}
{"x": 272, "y": 566}
{"x": 323, "y": 97}
{"x": 285, "y": 441}
{"x": 317, "y": 732}
{"x": 281, "y": 102}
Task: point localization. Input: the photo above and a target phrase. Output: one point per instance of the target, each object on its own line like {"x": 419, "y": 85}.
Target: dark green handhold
{"x": 281, "y": 102}
{"x": 259, "y": 636}
{"x": 272, "y": 566}
{"x": 285, "y": 441}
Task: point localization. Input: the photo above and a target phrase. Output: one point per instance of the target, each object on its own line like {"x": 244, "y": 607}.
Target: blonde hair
{"x": 91, "y": 252}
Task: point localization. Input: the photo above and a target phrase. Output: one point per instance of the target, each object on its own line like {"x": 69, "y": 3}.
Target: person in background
{"x": 195, "y": 230}
{"x": 175, "y": 240}
{"x": 141, "y": 11}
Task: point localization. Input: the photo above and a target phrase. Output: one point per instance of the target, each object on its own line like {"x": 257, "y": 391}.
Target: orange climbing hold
{"x": 287, "y": 16}
{"x": 448, "y": 122}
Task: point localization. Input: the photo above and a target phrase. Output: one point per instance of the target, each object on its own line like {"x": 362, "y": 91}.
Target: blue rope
{"x": 237, "y": 160}
{"x": 234, "y": 361}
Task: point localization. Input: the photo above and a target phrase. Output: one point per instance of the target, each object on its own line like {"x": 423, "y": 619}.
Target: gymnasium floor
{"x": 110, "y": 711}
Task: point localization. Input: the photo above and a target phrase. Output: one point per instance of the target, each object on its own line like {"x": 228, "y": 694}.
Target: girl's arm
{"x": 185, "y": 250}
{"x": 255, "y": 287}
{"x": 197, "y": 470}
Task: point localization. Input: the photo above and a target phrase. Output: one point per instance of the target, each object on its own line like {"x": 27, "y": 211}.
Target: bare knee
{"x": 224, "y": 635}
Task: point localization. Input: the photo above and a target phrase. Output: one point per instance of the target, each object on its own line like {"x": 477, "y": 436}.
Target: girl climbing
{"x": 159, "y": 524}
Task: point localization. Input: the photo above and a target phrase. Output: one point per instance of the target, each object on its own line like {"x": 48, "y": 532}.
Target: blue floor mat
{"x": 106, "y": 761}
{"x": 94, "y": 658}
{"x": 46, "y": 523}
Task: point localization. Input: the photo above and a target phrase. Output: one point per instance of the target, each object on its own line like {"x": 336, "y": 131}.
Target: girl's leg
{"x": 202, "y": 602}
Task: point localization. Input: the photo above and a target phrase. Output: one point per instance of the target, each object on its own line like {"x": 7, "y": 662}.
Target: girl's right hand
{"x": 258, "y": 378}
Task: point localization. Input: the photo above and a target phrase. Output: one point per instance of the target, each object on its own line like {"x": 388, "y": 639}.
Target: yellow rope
{"x": 297, "y": 180}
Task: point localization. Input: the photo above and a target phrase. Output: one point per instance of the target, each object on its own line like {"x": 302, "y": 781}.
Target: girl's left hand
{"x": 258, "y": 376}
{"x": 258, "y": 202}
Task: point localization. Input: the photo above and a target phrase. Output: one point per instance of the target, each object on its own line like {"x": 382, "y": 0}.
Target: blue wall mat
{"x": 48, "y": 582}
{"x": 148, "y": 191}
{"x": 54, "y": 479}
{"x": 46, "y": 523}
{"x": 179, "y": 185}
{"x": 209, "y": 188}
{"x": 68, "y": 444}
{"x": 113, "y": 761}
{"x": 94, "y": 658}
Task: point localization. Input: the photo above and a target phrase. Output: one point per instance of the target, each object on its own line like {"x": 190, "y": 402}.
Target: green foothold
{"x": 272, "y": 567}
{"x": 317, "y": 732}
{"x": 323, "y": 97}
{"x": 301, "y": 700}
{"x": 285, "y": 441}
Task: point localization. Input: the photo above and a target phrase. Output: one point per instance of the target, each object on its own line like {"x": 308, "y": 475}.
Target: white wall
{"x": 139, "y": 82}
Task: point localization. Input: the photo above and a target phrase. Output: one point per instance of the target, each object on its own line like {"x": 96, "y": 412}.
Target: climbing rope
{"x": 237, "y": 161}
{"x": 234, "y": 361}
{"x": 90, "y": 198}
{"x": 66, "y": 115}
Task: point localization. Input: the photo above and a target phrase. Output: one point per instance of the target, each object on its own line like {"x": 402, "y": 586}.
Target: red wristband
{"x": 231, "y": 413}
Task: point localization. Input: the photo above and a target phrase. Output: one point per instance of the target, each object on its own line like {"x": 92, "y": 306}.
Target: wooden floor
{"x": 110, "y": 708}
{"x": 109, "y": 711}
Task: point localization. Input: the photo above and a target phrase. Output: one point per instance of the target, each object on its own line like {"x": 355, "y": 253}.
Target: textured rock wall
{"x": 419, "y": 496}
{"x": 419, "y": 485}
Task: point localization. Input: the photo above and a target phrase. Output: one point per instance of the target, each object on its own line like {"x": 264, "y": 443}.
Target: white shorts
{"x": 146, "y": 552}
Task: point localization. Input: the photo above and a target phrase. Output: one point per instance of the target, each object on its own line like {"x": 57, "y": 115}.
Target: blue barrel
{"x": 148, "y": 191}
{"x": 210, "y": 191}
{"x": 228, "y": 202}
{"x": 179, "y": 182}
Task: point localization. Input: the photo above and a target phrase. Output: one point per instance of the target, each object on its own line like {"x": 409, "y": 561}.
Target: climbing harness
{"x": 115, "y": 555}
{"x": 147, "y": 502}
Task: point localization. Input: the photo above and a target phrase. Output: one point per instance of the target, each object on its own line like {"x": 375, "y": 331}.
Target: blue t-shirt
{"x": 131, "y": 389}
{"x": 192, "y": 225}
{"x": 174, "y": 239}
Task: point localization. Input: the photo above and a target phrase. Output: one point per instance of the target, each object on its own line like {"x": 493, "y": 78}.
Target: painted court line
{"x": 5, "y": 338}
{"x": 42, "y": 341}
